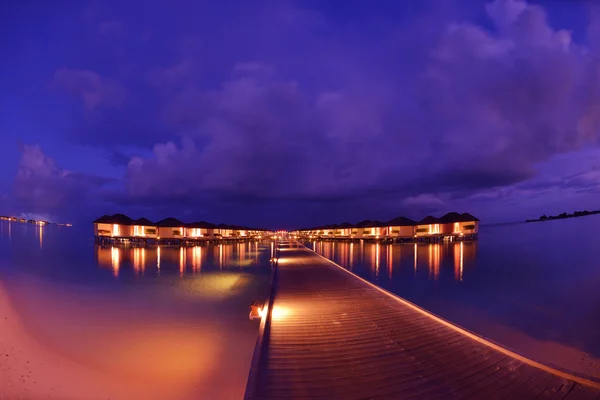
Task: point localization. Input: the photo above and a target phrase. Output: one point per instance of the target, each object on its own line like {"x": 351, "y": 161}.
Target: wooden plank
{"x": 341, "y": 338}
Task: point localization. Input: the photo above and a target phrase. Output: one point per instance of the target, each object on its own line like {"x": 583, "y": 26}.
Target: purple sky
{"x": 294, "y": 113}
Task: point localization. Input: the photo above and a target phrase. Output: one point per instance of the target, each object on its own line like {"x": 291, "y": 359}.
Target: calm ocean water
{"x": 518, "y": 284}
{"x": 138, "y": 322}
{"x": 70, "y": 255}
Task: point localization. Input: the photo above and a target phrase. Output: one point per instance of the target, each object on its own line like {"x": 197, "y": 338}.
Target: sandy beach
{"x": 62, "y": 342}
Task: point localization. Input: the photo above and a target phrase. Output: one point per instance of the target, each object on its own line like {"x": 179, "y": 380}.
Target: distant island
{"x": 564, "y": 215}
{"x": 30, "y": 221}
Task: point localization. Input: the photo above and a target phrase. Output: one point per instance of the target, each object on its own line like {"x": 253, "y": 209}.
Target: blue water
{"x": 537, "y": 279}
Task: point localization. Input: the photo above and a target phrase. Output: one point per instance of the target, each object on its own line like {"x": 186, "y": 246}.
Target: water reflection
{"x": 114, "y": 260}
{"x": 184, "y": 260}
{"x": 458, "y": 261}
{"x": 433, "y": 260}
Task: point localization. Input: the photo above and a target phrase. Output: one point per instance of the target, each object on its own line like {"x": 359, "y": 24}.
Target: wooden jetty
{"x": 328, "y": 334}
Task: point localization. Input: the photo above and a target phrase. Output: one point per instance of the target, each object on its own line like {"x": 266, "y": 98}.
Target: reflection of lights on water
{"x": 139, "y": 259}
{"x": 351, "y": 255}
{"x": 196, "y": 258}
{"x": 181, "y": 261}
{"x": 461, "y": 261}
{"x": 389, "y": 260}
{"x": 415, "y": 268}
{"x": 158, "y": 258}
{"x": 377, "y": 259}
{"x": 434, "y": 261}
{"x": 458, "y": 261}
{"x": 41, "y": 235}
{"x": 114, "y": 257}
{"x": 221, "y": 256}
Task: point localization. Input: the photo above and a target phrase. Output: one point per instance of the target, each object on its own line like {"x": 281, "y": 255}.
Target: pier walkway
{"x": 330, "y": 335}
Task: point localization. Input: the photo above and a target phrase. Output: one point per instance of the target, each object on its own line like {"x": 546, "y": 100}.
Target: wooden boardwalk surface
{"x": 331, "y": 335}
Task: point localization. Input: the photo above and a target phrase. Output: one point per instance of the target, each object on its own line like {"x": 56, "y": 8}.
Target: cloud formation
{"x": 41, "y": 187}
{"x": 483, "y": 108}
{"x": 290, "y": 104}
{"x": 88, "y": 86}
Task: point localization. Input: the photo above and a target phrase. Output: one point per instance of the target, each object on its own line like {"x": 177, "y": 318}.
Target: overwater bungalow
{"x": 452, "y": 226}
{"x": 171, "y": 228}
{"x": 401, "y": 227}
{"x": 224, "y": 231}
{"x": 118, "y": 226}
{"x": 202, "y": 229}
{"x": 145, "y": 228}
{"x": 370, "y": 229}
{"x": 344, "y": 230}
{"x": 428, "y": 226}
{"x": 456, "y": 224}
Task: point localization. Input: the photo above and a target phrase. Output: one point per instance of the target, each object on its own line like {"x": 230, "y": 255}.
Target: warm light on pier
{"x": 280, "y": 312}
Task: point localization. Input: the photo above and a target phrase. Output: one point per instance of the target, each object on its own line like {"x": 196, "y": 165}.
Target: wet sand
{"x": 147, "y": 342}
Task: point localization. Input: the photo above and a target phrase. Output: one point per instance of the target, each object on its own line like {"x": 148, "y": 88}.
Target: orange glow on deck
{"x": 280, "y": 312}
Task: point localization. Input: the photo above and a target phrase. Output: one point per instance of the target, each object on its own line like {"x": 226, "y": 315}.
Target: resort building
{"x": 200, "y": 229}
{"x": 401, "y": 227}
{"x": 452, "y": 226}
{"x": 118, "y": 225}
{"x": 171, "y": 228}
{"x": 143, "y": 227}
{"x": 120, "y": 228}
{"x": 344, "y": 230}
{"x": 454, "y": 223}
{"x": 428, "y": 226}
{"x": 369, "y": 229}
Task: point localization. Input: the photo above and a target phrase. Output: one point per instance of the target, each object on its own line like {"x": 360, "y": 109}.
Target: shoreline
{"x": 60, "y": 342}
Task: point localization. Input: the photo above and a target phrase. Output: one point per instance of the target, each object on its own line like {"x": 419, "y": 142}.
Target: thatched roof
{"x": 452, "y": 217}
{"x": 170, "y": 223}
{"x": 401, "y": 221}
{"x": 143, "y": 222}
{"x": 120, "y": 219}
{"x": 468, "y": 217}
{"x": 429, "y": 220}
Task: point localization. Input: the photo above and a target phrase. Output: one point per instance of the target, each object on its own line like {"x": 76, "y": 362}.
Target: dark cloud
{"x": 290, "y": 105}
{"x": 42, "y": 188}
{"x": 483, "y": 109}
